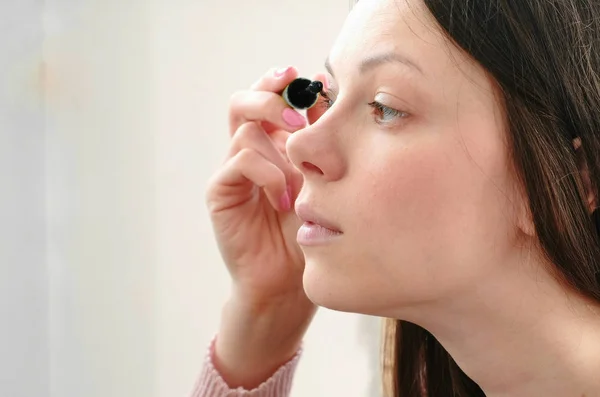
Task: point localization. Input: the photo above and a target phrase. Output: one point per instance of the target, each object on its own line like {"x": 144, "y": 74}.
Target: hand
{"x": 250, "y": 200}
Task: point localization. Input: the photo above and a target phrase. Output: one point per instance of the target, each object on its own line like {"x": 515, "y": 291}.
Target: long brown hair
{"x": 544, "y": 57}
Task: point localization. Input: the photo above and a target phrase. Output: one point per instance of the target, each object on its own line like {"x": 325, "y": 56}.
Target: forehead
{"x": 380, "y": 26}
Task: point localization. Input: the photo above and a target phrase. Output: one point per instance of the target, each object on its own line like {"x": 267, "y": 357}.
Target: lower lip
{"x": 312, "y": 234}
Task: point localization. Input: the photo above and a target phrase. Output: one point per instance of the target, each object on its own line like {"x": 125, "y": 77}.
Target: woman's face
{"x": 422, "y": 189}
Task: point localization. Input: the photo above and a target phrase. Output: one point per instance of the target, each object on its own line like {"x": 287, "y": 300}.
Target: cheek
{"x": 427, "y": 215}
{"x": 407, "y": 189}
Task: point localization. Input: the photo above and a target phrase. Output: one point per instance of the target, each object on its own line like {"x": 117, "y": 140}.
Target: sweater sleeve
{"x": 211, "y": 384}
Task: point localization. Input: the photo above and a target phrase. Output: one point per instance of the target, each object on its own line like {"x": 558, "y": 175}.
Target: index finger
{"x": 275, "y": 80}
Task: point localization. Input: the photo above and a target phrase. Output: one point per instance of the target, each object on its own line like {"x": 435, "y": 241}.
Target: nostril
{"x": 311, "y": 167}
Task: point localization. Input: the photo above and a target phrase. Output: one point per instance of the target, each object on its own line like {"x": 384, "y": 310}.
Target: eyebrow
{"x": 377, "y": 60}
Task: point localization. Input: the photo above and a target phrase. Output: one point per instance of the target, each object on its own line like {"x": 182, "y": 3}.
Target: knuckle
{"x": 211, "y": 187}
{"x": 245, "y": 156}
{"x": 248, "y": 132}
{"x": 236, "y": 98}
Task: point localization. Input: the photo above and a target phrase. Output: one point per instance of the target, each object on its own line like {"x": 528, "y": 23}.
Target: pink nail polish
{"x": 281, "y": 72}
{"x": 285, "y": 201}
{"x": 293, "y": 118}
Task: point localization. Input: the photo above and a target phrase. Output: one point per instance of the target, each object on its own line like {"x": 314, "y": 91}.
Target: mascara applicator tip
{"x": 315, "y": 87}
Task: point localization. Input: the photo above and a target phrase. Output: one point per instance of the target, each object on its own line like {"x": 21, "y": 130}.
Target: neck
{"x": 521, "y": 334}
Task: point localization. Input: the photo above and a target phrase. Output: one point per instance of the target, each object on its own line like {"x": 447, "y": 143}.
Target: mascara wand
{"x": 302, "y": 93}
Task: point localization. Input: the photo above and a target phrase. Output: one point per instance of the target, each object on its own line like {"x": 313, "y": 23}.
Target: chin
{"x": 320, "y": 287}
{"x": 325, "y": 287}
{"x": 343, "y": 286}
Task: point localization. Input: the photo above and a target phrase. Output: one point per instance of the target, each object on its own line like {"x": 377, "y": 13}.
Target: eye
{"x": 385, "y": 115}
{"x": 327, "y": 101}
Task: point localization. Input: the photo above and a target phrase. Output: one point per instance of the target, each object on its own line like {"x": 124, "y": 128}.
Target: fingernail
{"x": 293, "y": 118}
{"x": 281, "y": 72}
{"x": 286, "y": 201}
{"x": 325, "y": 83}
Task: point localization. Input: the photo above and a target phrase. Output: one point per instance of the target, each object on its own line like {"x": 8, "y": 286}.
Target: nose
{"x": 317, "y": 151}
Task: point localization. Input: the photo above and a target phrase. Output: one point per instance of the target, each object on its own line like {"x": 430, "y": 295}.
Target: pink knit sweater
{"x": 211, "y": 384}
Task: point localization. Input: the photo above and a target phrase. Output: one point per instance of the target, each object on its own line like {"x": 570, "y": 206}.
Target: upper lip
{"x": 306, "y": 214}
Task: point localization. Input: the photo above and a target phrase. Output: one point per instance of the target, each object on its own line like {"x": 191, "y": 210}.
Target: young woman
{"x": 448, "y": 182}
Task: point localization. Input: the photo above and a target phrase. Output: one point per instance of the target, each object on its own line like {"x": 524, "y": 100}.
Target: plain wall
{"x": 99, "y": 90}
{"x": 23, "y": 275}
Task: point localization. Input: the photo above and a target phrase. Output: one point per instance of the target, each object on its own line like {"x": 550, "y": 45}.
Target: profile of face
{"x": 410, "y": 162}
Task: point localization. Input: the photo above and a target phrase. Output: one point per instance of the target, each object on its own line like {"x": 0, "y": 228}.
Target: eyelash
{"x": 377, "y": 106}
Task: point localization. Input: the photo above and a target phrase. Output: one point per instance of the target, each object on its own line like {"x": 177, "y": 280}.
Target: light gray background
{"x": 24, "y": 343}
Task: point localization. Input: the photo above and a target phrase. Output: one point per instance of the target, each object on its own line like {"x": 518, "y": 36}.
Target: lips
{"x": 307, "y": 215}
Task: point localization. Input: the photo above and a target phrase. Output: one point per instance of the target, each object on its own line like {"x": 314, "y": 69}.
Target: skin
{"x": 435, "y": 227}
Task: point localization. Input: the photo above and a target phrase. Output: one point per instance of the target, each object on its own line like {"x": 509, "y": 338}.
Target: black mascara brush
{"x": 302, "y": 93}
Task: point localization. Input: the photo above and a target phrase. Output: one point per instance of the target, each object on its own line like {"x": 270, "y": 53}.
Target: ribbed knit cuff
{"x": 211, "y": 384}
